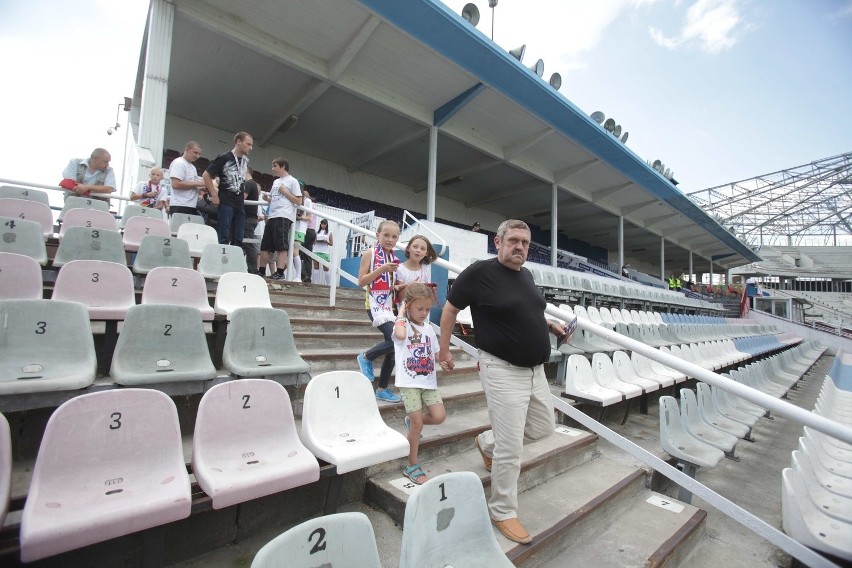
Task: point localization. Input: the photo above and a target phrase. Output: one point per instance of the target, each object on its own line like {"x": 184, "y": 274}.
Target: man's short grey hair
{"x": 511, "y": 224}
{"x": 99, "y": 152}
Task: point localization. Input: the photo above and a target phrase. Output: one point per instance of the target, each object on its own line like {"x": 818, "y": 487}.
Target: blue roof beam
{"x": 446, "y": 111}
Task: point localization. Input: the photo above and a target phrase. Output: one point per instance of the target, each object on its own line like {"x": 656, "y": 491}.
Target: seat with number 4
{"x": 23, "y": 237}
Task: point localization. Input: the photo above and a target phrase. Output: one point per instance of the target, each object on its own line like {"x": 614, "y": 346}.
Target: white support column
{"x": 432, "y": 175}
{"x": 691, "y": 279}
{"x": 711, "y": 272}
{"x": 554, "y": 191}
{"x": 155, "y": 86}
{"x": 620, "y": 241}
{"x": 663, "y": 259}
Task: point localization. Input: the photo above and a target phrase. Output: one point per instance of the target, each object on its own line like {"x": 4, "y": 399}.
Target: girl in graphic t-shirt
{"x": 378, "y": 265}
{"x": 418, "y": 267}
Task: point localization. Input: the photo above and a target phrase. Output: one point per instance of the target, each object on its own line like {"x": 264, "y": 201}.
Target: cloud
{"x": 710, "y": 23}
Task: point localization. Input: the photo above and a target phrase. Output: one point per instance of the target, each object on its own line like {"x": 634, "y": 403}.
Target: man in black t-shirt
{"x": 512, "y": 335}
{"x": 230, "y": 168}
{"x": 251, "y": 192}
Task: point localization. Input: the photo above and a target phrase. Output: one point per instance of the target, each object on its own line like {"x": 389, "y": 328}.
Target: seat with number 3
{"x": 89, "y": 218}
{"x": 161, "y": 344}
{"x": 110, "y": 463}
{"x": 447, "y": 524}
{"x": 82, "y": 243}
{"x": 246, "y": 444}
{"x": 341, "y": 423}
{"x": 343, "y": 540}
{"x": 105, "y": 288}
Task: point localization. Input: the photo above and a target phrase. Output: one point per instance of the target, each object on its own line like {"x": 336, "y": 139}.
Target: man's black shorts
{"x": 276, "y": 234}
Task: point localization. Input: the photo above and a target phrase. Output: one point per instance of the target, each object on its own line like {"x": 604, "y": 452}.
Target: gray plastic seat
{"x": 73, "y": 202}
{"x": 447, "y": 524}
{"x": 80, "y": 243}
{"x": 217, "y": 260}
{"x": 343, "y": 540}
{"x": 20, "y": 277}
{"x": 16, "y": 192}
{"x": 45, "y": 345}
{"x": 23, "y": 237}
{"x": 155, "y": 251}
{"x": 133, "y": 210}
{"x": 161, "y": 344}
{"x": 260, "y": 343}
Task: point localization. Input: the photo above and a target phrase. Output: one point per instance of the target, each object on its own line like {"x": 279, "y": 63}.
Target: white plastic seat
{"x": 16, "y": 192}
{"x": 155, "y": 251}
{"x": 260, "y": 343}
{"x": 5, "y": 467}
{"x": 246, "y": 445}
{"x": 30, "y": 211}
{"x": 46, "y": 345}
{"x": 88, "y": 218}
{"x": 678, "y": 443}
{"x": 698, "y": 428}
{"x": 76, "y": 202}
{"x": 625, "y": 373}
{"x": 804, "y": 521}
{"x": 642, "y": 367}
{"x": 711, "y": 416}
{"x": 23, "y": 237}
{"x": 110, "y": 463}
{"x": 661, "y": 369}
{"x": 829, "y": 502}
{"x": 161, "y": 344}
{"x": 604, "y": 375}
{"x": 341, "y": 423}
{"x": 744, "y": 415}
{"x": 134, "y": 210}
{"x": 177, "y": 287}
{"x": 343, "y": 540}
{"x": 20, "y": 277}
{"x": 240, "y": 290}
{"x": 80, "y": 243}
{"x": 580, "y": 383}
{"x": 141, "y": 226}
{"x": 447, "y": 524}
{"x": 178, "y": 219}
{"x": 105, "y": 288}
{"x": 197, "y": 236}
{"x": 217, "y": 260}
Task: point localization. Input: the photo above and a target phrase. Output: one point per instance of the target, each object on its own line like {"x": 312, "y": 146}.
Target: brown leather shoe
{"x": 486, "y": 460}
{"x": 513, "y": 530}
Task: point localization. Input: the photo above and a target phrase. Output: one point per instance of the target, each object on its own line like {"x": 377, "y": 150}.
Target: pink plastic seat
{"x": 341, "y": 423}
{"x": 20, "y": 277}
{"x": 29, "y": 210}
{"x": 105, "y": 288}
{"x": 141, "y": 226}
{"x": 179, "y": 287}
{"x": 110, "y": 463}
{"x": 88, "y": 218}
{"x": 246, "y": 444}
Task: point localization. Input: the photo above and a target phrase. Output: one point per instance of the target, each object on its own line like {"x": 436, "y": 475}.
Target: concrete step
{"x": 319, "y": 310}
{"x": 299, "y": 296}
{"x": 320, "y": 291}
{"x": 306, "y": 340}
{"x": 388, "y": 490}
{"x": 323, "y": 360}
{"x": 299, "y": 323}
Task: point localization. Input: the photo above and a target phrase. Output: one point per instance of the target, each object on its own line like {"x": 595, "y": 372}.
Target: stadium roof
{"x": 360, "y": 82}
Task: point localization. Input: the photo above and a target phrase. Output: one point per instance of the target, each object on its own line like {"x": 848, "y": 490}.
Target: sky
{"x": 719, "y": 90}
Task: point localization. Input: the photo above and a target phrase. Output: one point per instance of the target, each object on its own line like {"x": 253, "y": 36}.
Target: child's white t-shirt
{"x": 404, "y": 275}
{"x": 415, "y": 357}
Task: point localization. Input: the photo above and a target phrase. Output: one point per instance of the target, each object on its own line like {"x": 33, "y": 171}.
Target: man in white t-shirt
{"x": 283, "y": 198}
{"x": 185, "y": 180}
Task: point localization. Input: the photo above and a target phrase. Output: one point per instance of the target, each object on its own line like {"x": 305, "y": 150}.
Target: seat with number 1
{"x": 343, "y": 540}
{"x": 217, "y": 260}
{"x": 126, "y": 439}
{"x": 260, "y": 344}
{"x": 240, "y": 290}
{"x": 246, "y": 444}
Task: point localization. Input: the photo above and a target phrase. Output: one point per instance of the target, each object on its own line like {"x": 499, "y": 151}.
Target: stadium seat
{"x": 447, "y": 524}
{"x": 133, "y": 210}
{"x": 198, "y": 236}
{"x": 155, "y": 251}
{"x": 161, "y": 344}
{"x": 29, "y": 210}
{"x": 625, "y": 373}
{"x": 177, "y": 287}
{"x": 709, "y": 414}
{"x": 241, "y": 290}
{"x": 48, "y": 346}
{"x": 15, "y": 192}
{"x": 260, "y": 343}
{"x": 342, "y": 540}
{"x": 105, "y": 288}
{"x": 129, "y": 441}
{"x": 20, "y": 277}
{"x": 604, "y": 374}
{"x": 80, "y": 243}
{"x": 642, "y": 366}
{"x": 341, "y": 423}
{"x": 581, "y": 385}
{"x": 217, "y": 260}
{"x": 832, "y": 503}
{"x": 74, "y": 202}
{"x": 178, "y": 219}
{"x": 246, "y": 444}
{"x": 806, "y": 523}
{"x": 23, "y": 237}
{"x": 697, "y": 428}
{"x": 141, "y": 226}
{"x": 88, "y": 218}
{"x": 5, "y": 467}
{"x": 679, "y": 444}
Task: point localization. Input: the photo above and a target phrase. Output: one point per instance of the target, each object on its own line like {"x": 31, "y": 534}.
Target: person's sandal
{"x": 415, "y": 474}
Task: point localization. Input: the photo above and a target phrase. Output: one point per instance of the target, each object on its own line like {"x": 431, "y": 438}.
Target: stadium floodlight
{"x": 598, "y": 116}
{"x": 471, "y": 13}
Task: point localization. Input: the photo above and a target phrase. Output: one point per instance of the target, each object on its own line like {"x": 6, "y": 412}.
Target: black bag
{"x": 207, "y": 210}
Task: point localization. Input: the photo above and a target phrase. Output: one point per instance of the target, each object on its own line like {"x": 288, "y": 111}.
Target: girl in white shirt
{"x": 418, "y": 267}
